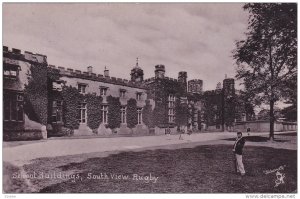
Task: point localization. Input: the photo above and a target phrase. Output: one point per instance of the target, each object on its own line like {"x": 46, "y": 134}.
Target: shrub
{"x": 131, "y": 113}
{"x": 71, "y": 99}
{"x": 148, "y": 115}
{"x": 94, "y": 116}
{"x": 66, "y": 131}
{"x": 114, "y": 113}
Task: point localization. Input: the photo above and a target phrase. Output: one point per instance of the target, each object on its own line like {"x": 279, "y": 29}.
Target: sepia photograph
{"x": 149, "y": 98}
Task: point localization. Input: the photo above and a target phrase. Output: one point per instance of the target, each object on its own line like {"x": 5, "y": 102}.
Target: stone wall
{"x": 264, "y": 126}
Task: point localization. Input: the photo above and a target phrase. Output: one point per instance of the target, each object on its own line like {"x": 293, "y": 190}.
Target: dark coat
{"x": 239, "y": 146}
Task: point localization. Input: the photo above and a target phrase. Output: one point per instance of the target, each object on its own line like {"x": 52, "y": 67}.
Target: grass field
{"x": 202, "y": 169}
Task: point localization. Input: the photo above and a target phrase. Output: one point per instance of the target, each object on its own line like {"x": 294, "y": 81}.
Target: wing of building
{"x": 39, "y": 98}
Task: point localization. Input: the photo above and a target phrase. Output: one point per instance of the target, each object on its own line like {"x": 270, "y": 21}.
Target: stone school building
{"x": 43, "y": 100}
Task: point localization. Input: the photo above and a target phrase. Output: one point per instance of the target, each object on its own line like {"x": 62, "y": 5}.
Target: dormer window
{"x": 57, "y": 86}
{"x": 82, "y": 88}
{"x": 10, "y": 73}
{"x": 122, "y": 93}
{"x": 103, "y": 91}
{"x": 11, "y": 68}
{"x": 138, "y": 96}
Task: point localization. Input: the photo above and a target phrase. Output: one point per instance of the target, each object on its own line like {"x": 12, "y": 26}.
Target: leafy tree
{"x": 267, "y": 58}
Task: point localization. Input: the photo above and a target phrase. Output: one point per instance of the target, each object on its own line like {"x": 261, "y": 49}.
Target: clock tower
{"x": 137, "y": 74}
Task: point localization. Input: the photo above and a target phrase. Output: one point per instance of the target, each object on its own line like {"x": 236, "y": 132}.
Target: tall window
{"x": 57, "y": 111}
{"x": 103, "y": 91}
{"x": 82, "y": 112}
{"x": 171, "y": 115}
{"x": 13, "y": 107}
{"x": 139, "y": 111}
{"x": 138, "y": 96}
{"x": 104, "y": 112}
{"x": 82, "y": 88}
{"x": 122, "y": 93}
{"x": 171, "y": 108}
{"x": 123, "y": 115}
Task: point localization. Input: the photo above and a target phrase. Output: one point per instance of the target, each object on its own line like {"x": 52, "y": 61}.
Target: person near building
{"x": 238, "y": 153}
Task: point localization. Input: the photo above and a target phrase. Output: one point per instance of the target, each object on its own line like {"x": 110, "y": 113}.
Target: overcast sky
{"x": 197, "y": 38}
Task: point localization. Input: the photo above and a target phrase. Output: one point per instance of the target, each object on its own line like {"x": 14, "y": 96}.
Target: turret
{"x": 228, "y": 87}
{"x": 195, "y": 86}
{"x": 182, "y": 79}
{"x": 137, "y": 74}
{"x": 160, "y": 71}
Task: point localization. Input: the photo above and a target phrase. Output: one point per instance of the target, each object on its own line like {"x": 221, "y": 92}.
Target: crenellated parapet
{"x": 166, "y": 78}
{"x": 196, "y": 80}
{"x": 17, "y": 54}
{"x": 68, "y": 72}
{"x": 195, "y": 86}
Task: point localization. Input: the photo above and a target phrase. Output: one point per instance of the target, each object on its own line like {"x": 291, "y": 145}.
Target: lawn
{"x": 201, "y": 169}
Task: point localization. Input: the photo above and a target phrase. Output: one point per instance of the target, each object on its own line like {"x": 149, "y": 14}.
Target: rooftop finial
{"x": 225, "y": 76}
{"x": 137, "y": 61}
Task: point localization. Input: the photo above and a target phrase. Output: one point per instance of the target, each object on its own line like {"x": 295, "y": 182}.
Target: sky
{"x": 198, "y": 37}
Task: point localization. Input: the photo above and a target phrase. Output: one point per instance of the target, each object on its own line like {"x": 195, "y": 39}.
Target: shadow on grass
{"x": 287, "y": 134}
{"x": 202, "y": 169}
{"x": 12, "y": 183}
{"x": 256, "y": 139}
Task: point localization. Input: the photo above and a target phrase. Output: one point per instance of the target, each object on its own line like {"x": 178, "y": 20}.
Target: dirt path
{"x": 22, "y": 154}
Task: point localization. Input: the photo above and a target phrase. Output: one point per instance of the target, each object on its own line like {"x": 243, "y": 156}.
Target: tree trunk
{"x": 272, "y": 120}
{"x": 272, "y": 93}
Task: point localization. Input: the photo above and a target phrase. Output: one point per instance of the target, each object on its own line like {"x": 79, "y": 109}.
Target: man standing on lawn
{"x": 238, "y": 151}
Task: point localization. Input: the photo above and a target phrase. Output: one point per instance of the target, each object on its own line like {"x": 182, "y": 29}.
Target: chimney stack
{"x": 90, "y": 70}
{"x": 106, "y": 72}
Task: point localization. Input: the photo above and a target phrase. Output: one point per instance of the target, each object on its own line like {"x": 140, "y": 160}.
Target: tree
{"x": 267, "y": 58}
